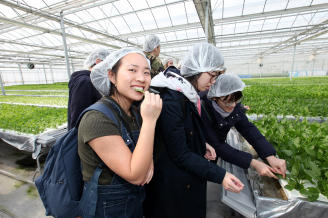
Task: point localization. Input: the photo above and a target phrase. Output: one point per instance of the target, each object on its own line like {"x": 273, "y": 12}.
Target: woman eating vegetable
{"x": 221, "y": 111}
{"x": 125, "y": 151}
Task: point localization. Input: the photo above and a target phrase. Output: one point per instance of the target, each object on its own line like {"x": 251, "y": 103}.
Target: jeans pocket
{"x": 116, "y": 208}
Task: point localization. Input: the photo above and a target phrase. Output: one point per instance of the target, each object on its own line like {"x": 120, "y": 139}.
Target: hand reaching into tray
{"x": 279, "y": 165}
{"x": 263, "y": 169}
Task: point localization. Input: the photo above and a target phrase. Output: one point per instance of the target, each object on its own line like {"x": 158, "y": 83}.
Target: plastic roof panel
{"x": 191, "y": 12}
{"x": 253, "y": 6}
{"x": 248, "y": 26}
{"x": 123, "y": 6}
{"x": 270, "y": 24}
{"x": 275, "y": 5}
{"x": 178, "y": 14}
{"x": 298, "y": 3}
{"x": 233, "y": 8}
{"x": 35, "y": 3}
{"x": 162, "y": 17}
{"x": 147, "y": 20}
{"x": 133, "y": 22}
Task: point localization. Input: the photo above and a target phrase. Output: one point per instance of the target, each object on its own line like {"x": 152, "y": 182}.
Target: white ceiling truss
{"x": 242, "y": 29}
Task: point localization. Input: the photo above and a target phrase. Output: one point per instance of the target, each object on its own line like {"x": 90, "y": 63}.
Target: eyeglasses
{"x": 232, "y": 102}
{"x": 215, "y": 76}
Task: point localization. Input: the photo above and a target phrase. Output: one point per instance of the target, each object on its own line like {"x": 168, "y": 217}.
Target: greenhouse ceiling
{"x": 30, "y": 30}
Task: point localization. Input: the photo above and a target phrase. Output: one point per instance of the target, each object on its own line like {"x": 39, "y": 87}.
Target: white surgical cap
{"x": 151, "y": 43}
{"x": 99, "y": 74}
{"x": 166, "y": 60}
{"x": 100, "y": 53}
{"x": 203, "y": 57}
{"x": 225, "y": 84}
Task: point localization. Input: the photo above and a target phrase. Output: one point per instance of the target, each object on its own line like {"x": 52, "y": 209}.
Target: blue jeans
{"x": 120, "y": 199}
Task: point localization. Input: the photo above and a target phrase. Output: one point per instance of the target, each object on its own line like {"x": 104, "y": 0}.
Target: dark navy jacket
{"x": 82, "y": 94}
{"x": 247, "y": 129}
{"x": 172, "y": 69}
{"x": 178, "y": 187}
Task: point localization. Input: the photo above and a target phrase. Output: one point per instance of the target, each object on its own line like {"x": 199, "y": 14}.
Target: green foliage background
{"x": 304, "y": 146}
{"x": 31, "y": 119}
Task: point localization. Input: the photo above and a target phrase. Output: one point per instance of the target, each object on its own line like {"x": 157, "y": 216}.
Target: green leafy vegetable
{"x": 31, "y": 119}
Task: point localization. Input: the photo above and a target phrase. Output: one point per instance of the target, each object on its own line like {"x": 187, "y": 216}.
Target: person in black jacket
{"x": 178, "y": 187}
{"x": 82, "y": 93}
{"x": 223, "y": 109}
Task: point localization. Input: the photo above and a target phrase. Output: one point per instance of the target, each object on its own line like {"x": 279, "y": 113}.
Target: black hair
{"x": 113, "y": 89}
{"x": 114, "y": 70}
{"x": 193, "y": 80}
{"x": 234, "y": 96}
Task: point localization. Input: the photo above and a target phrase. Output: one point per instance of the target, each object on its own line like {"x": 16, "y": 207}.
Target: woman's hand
{"x": 247, "y": 107}
{"x": 279, "y": 165}
{"x": 231, "y": 183}
{"x": 151, "y": 107}
{"x": 210, "y": 152}
{"x": 263, "y": 169}
{"x": 149, "y": 174}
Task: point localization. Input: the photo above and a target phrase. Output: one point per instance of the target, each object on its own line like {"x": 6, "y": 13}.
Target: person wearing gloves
{"x": 152, "y": 48}
{"x": 221, "y": 111}
{"x": 123, "y": 77}
{"x": 82, "y": 93}
{"x": 178, "y": 187}
{"x": 168, "y": 61}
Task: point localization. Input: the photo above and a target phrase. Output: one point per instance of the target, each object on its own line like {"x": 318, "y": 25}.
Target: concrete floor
{"x": 21, "y": 200}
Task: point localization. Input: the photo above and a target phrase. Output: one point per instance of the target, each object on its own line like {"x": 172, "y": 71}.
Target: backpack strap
{"x": 101, "y": 108}
{"x": 93, "y": 184}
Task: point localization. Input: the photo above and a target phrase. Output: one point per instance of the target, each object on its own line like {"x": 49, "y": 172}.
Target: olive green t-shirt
{"x": 95, "y": 124}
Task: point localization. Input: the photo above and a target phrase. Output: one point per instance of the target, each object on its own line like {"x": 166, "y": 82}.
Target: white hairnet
{"x": 99, "y": 74}
{"x": 166, "y": 60}
{"x": 151, "y": 43}
{"x": 225, "y": 84}
{"x": 203, "y": 57}
{"x": 180, "y": 64}
{"x": 100, "y": 53}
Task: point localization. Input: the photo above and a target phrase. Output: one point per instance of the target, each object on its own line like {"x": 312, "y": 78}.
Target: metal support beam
{"x": 52, "y": 74}
{"x": 62, "y": 25}
{"x": 60, "y": 20}
{"x": 45, "y": 75}
{"x": 206, "y": 22}
{"x": 20, "y": 71}
{"x": 316, "y": 31}
{"x": 313, "y": 66}
{"x": 1, "y": 84}
{"x": 45, "y": 30}
{"x": 204, "y": 12}
{"x": 291, "y": 73}
{"x": 39, "y": 46}
{"x": 69, "y": 50}
{"x": 34, "y": 53}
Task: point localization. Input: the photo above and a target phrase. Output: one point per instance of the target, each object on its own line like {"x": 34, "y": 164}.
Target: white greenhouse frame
{"x": 58, "y": 35}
